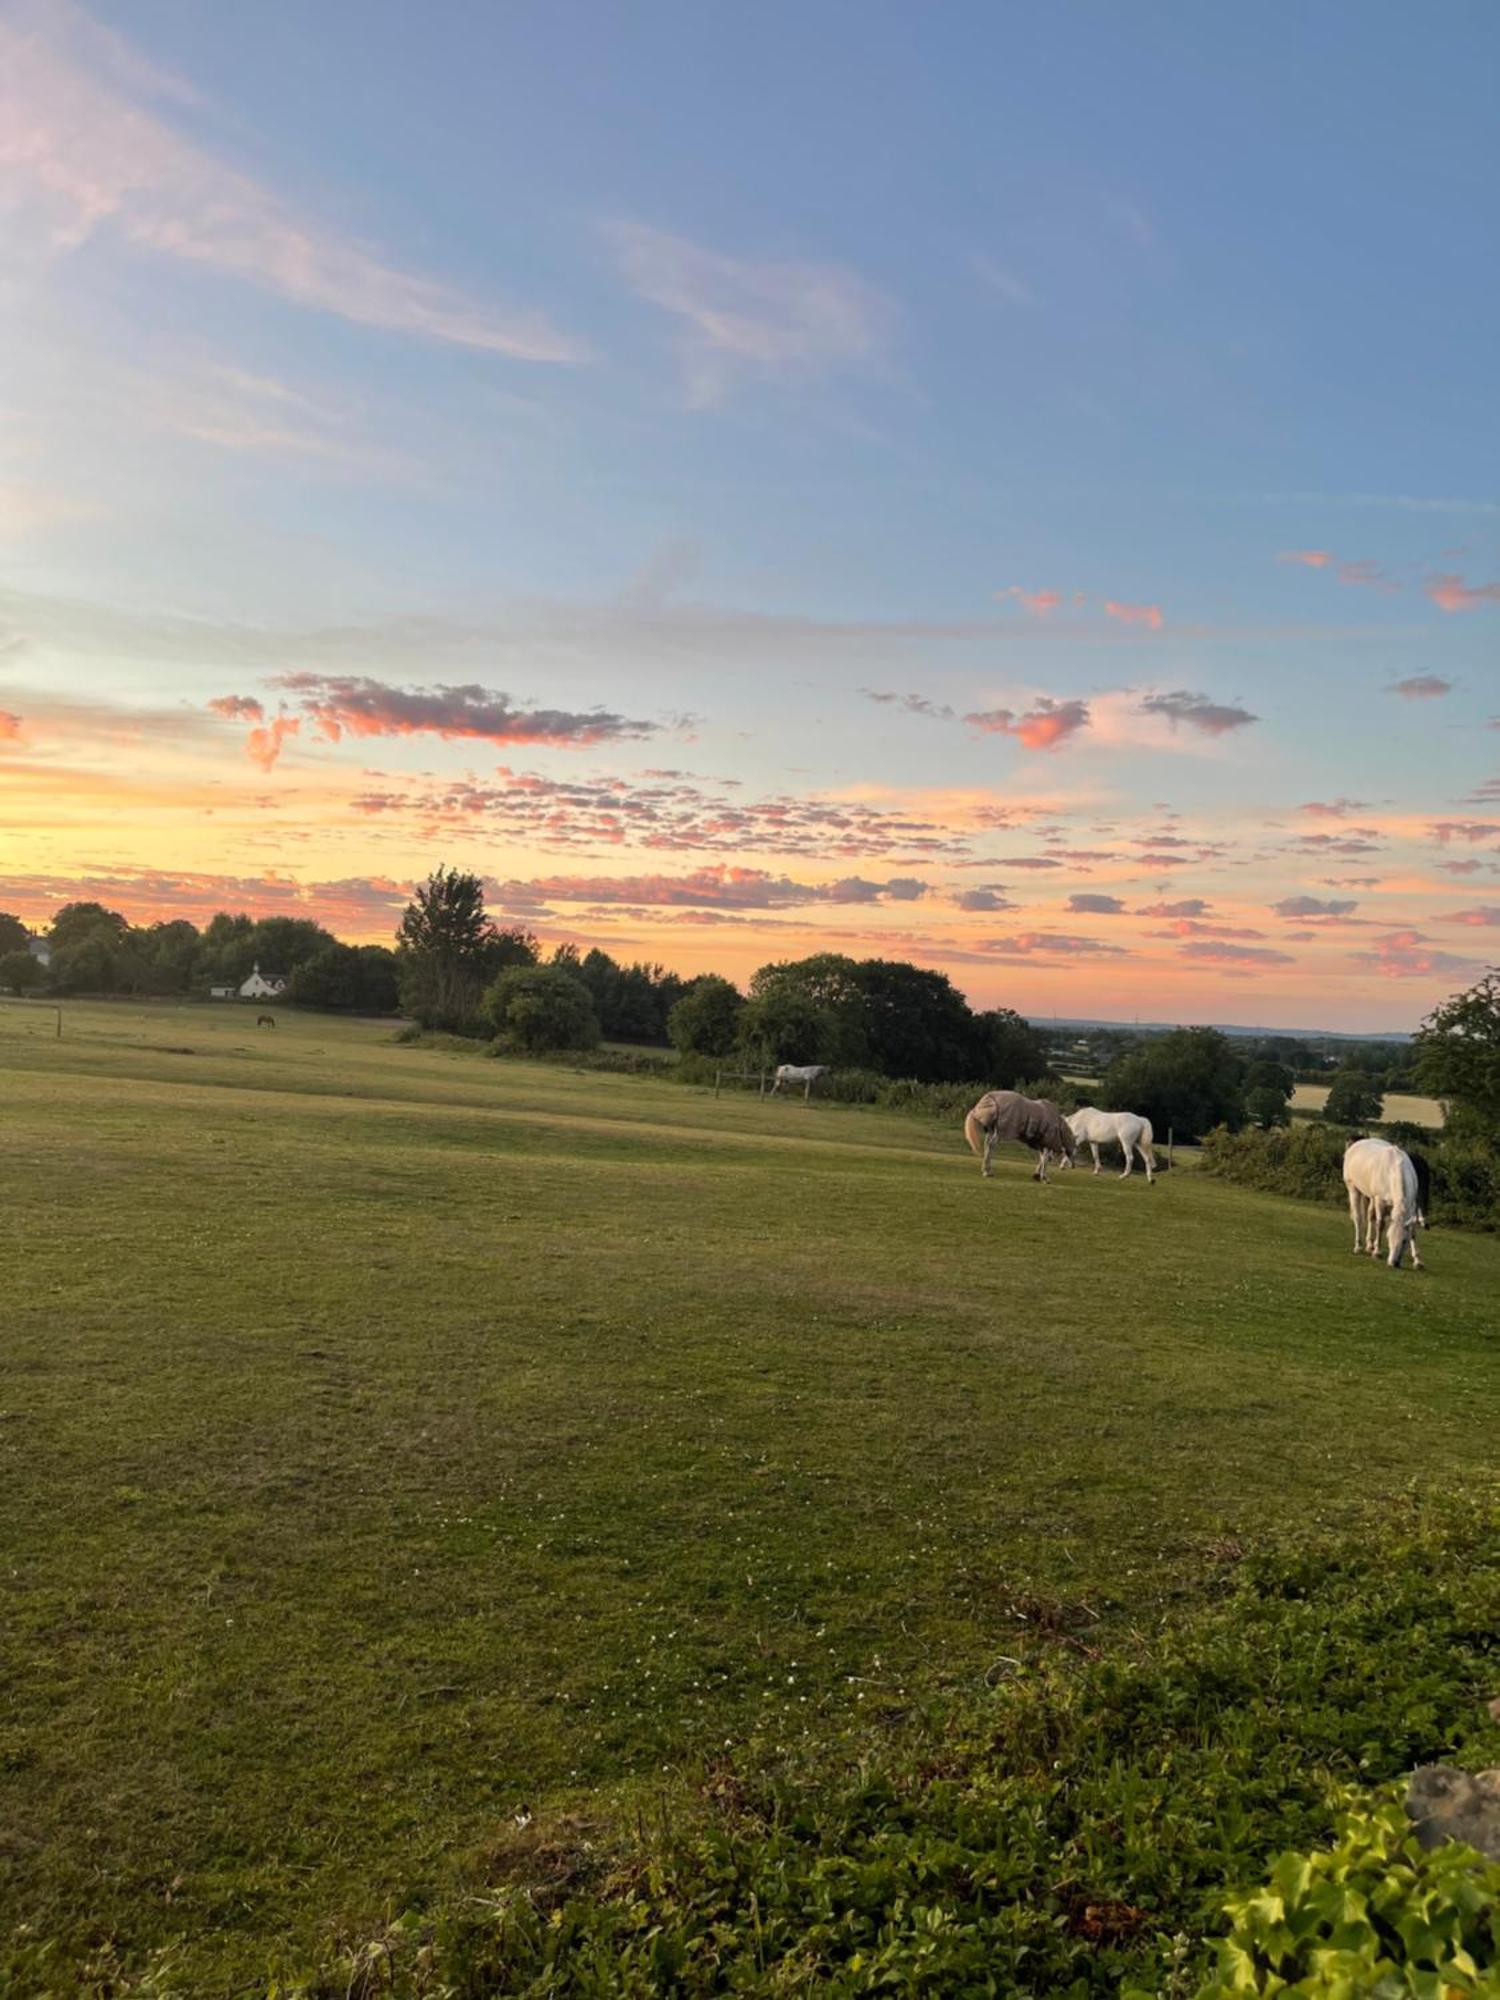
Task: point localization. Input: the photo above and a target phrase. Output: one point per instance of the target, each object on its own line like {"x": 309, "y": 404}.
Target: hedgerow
{"x": 1306, "y": 1160}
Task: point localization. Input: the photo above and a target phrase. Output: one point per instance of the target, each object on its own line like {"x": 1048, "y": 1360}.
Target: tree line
{"x": 454, "y": 969}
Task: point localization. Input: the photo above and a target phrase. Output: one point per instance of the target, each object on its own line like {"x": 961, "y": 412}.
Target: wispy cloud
{"x": 1086, "y": 904}
{"x": 1421, "y": 687}
{"x": 10, "y": 726}
{"x": 1057, "y": 945}
{"x": 1004, "y": 284}
{"x": 722, "y": 887}
{"x": 1410, "y": 955}
{"x": 1148, "y": 615}
{"x": 741, "y": 317}
{"x": 1449, "y": 592}
{"x": 1204, "y": 951}
{"x": 1303, "y": 907}
{"x": 1309, "y": 558}
{"x": 1045, "y": 726}
{"x": 1486, "y": 916}
{"x": 1363, "y": 574}
{"x": 1189, "y": 906}
{"x": 82, "y": 148}
{"x": 1334, "y": 808}
{"x": 914, "y": 704}
{"x": 1038, "y": 602}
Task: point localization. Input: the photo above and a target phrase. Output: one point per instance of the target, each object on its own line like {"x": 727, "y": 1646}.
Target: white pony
{"x": 1131, "y": 1134}
{"x": 1382, "y": 1182}
{"x": 807, "y": 1075}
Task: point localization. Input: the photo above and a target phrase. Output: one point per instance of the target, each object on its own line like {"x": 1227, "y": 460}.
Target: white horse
{"x": 807, "y": 1075}
{"x": 1382, "y": 1184}
{"x": 1131, "y": 1134}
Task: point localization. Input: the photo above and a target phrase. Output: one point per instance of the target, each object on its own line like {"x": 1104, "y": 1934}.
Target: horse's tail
{"x": 974, "y": 1133}
{"x": 1148, "y": 1137}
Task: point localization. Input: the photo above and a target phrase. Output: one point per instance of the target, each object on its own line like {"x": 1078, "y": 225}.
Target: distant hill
{"x": 1224, "y": 1028}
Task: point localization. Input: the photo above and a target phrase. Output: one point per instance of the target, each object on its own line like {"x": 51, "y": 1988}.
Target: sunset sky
{"x": 1012, "y": 488}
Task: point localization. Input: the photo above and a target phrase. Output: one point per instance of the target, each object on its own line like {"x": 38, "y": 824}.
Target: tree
{"x": 1458, "y": 1051}
{"x": 347, "y": 978}
{"x": 808, "y": 1010}
{"x": 76, "y": 921}
{"x": 537, "y": 1007}
{"x": 21, "y": 972}
{"x": 13, "y": 934}
{"x": 705, "y": 1020}
{"x": 1185, "y": 1082}
{"x": 914, "y": 1022}
{"x": 1266, "y": 1107}
{"x": 783, "y": 1025}
{"x": 1267, "y": 1075}
{"x": 446, "y": 948}
{"x": 1010, "y": 1049}
{"x": 1354, "y": 1098}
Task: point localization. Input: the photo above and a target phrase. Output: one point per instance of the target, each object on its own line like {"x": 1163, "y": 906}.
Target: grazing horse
{"x": 807, "y": 1075}
{"x": 1131, "y": 1133}
{"x": 1382, "y": 1183}
{"x": 1033, "y": 1121}
{"x": 265, "y": 1020}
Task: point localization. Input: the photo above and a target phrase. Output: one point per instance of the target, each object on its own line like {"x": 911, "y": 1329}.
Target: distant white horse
{"x": 806, "y": 1075}
{"x": 1382, "y": 1184}
{"x": 1122, "y": 1128}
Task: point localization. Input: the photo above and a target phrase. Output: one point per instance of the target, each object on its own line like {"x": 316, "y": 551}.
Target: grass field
{"x": 1310, "y": 1098}
{"x": 393, "y": 1442}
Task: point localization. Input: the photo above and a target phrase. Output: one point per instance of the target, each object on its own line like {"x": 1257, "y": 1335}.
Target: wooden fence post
{"x": 1169, "y": 1145}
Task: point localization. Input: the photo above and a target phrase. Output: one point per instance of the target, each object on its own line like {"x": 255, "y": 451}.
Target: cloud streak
{"x": 1045, "y": 726}
{"x": 81, "y": 149}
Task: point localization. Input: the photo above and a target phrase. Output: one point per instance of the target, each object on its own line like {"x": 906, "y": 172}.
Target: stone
{"x": 1446, "y": 1804}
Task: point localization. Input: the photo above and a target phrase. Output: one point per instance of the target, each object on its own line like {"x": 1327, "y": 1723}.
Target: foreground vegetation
{"x": 407, "y": 1456}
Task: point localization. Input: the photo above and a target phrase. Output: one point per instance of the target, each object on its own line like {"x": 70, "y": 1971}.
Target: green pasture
{"x": 396, "y": 1443}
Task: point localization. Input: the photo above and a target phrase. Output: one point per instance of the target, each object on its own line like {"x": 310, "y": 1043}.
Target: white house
{"x": 263, "y": 985}
{"x": 222, "y": 992}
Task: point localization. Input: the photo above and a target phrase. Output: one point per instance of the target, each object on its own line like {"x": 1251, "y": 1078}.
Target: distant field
{"x": 1311, "y": 1097}
{"x": 394, "y": 1442}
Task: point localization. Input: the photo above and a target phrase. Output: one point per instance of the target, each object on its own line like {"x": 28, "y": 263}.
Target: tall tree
{"x": 538, "y": 1007}
{"x": 76, "y": 921}
{"x": 705, "y": 1021}
{"x": 446, "y": 945}
{"x": 1354, "y": 1098}
{"x": 13, "y": 934}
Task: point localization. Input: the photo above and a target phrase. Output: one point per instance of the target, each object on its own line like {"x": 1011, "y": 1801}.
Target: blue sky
{"x": 717, "y": 370}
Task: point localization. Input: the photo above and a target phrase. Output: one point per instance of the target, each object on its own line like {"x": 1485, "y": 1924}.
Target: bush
{"x": 1306, "y": 1159}
{"x": 1376, "y": 1913}
{"x": 705, "y": 1021}
{"x": 537, "y": 1007}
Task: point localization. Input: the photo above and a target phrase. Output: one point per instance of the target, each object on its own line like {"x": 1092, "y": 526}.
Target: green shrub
{"x": 1306, "y": 1160}
{"x": 1374, "y": 1914}
{"x": 1068, "y": 1825}
{"x": 537, "y": 1007}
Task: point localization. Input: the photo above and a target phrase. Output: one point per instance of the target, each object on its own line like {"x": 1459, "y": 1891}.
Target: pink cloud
{"x": 1444, "y": 831}
{"x": 1421, "y": 687}
{"x": 1366, "y": 575}
{"x": 1485, "y": 916}
{"x": 719, "y": 886}
{"x": 1309, "y": 558}
{"x": 1406, "y": 955}
{"x": 1182, "y": 927}
{"x": 1038, "y": 602}
{"x": 1148, "y": 615}
{"x": 263, "y": 744}
{"x": 1045, "y": 727}
{"x": 10, "y": 726}
{"x": 238, "y": 708}
{"x": 1333, "y": 808}
{"x": 1449, "y": 592}
{"x": 1190, "y": 906}
{"x": 1051, "y": 944}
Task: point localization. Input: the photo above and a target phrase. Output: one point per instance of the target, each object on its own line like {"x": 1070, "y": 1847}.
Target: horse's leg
{"x": 1129, "y": 1159}
{"x": 1095, "y": 1151}
{"x": 1041, "y": 1166}
{"x": 1148, "y": 1159}
{"x": 1377, "y": 1223}
{"x": 989, "y": 1148}
{"x": 1356, "y": 1219}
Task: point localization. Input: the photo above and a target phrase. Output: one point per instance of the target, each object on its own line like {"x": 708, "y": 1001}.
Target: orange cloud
{"x": 1148, "y": 615}
{"x": 1310, "y": 558}
{"x": 1485, "y": 917}
{"x": 263, "y": 745}
{"x": 1242, "y": 955}
{"x": 1044, "y": 727}
{"x": 10, "y": 726}
{"x": 1449, "y": 592}
{"x": 1407, "y": 955}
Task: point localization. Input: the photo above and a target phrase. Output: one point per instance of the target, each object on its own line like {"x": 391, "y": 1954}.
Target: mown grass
{"x": 395, "y": 1443}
